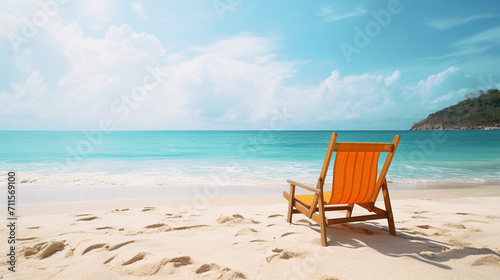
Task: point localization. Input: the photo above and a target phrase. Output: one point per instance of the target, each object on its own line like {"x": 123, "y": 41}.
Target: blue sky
{"x": 241, "y": 64}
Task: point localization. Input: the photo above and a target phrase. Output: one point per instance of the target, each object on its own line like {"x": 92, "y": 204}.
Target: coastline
{"x": 443, "y": 232}
{"x": 35, "y": 194}
{"x": 441, "y": 127}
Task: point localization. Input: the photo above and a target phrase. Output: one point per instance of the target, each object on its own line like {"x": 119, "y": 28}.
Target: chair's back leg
{"x": 388, "y": 208}
{"x": 290, "y": 204}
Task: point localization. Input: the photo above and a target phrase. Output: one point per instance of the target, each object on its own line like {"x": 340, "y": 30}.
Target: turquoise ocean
{"x": 262, "y": 158}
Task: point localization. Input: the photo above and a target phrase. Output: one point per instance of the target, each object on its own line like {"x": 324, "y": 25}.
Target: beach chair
{"x": 354, "y": 182}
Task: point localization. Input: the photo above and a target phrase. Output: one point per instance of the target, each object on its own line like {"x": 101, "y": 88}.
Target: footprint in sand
{"x": 52, "y": 248}
{"x": 135, "y": 258}
{"x": 228, "y": 274}
{"x": 172, "y": 216}
{"x": 213, "y": 271}
{"x": 465, "y": 214}
{"x": 159, "y": 226}
{"x": 119, "y": 245}
{"x": 155, "y": 225}
{"x": 102, "y": 228}
{"x": 245, "y": 231}
{"x": 93, "y": 247}
{"x": 487, "y": 260}
{"x": 424, "y": 226}
{"x": 474, "y": 221}
{"x": 283, "y": 254}
{"x": 224, "y": 219}
{"x": 45, "y": 249}
{"x": 419, "y": 217}
{"x": 454, "y": 225}
{"x": 207, "y": 267}
{"x": 362, "y": 229}
{"x": 236, "y": 218}
{"x": 329, "y": 278}
{"x": 493, "y": 217}
{"x": 181, "y": 261}
{"x": 108, "y": 260}
{"x": 88, "y": 218}
{"x": 189, "y": 227}
{"x": 304, "y": 221}
{"x": 458, "y": 243}
{"x": 275, "y": 215}
{"x": 288, "y": 233}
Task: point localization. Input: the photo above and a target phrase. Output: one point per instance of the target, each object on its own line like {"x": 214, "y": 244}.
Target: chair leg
{"x": 349, "y": 212}
{"x": 321, "y": 210}
{"x": 290, "y": 204}
{"x": 388, "y": 208}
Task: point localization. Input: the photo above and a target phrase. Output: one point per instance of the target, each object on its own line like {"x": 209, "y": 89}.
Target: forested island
{"x": 479, "y": 110}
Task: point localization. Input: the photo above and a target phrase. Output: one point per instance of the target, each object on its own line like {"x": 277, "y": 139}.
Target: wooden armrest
{"x": 303, "y": 186}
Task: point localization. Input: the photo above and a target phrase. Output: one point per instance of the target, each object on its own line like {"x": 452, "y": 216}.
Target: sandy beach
{"x": 442, "y": 233}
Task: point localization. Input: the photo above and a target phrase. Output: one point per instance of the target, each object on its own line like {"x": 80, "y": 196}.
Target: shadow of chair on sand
{"x": 405, "y": 244}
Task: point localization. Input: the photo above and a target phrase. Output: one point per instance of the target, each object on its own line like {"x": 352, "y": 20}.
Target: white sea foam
{"x": 179, "y": 180}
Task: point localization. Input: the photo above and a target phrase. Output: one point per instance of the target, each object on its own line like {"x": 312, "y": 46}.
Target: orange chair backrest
{"x": 354, "y": 177}
{"x": 355, "y": 170}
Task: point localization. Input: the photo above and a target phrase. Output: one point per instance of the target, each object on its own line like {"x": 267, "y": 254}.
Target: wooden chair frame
{"x": 316, "y": 211}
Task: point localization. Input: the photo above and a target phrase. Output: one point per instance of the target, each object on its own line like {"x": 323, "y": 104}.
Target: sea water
{"x": 260, "y": 158}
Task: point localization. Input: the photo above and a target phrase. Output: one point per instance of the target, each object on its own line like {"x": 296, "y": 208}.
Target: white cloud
{"x": 443, "y": 24}
{"x": 489, "y": 36}
{"x": 473, "y": 45}
{"x": 392, "y": 79}
{"x": 451, "y": 96}
{"x": 425, "y": 87}
{"x": 330, "y": 13}
{"x": 234, "y": 83}
{"x": 241, "y": 47}
{"x": 91, "y": 14}
{"x": 139, "y": 10}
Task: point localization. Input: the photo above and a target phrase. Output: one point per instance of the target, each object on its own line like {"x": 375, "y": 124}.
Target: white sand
{"x": 442, "y": 234}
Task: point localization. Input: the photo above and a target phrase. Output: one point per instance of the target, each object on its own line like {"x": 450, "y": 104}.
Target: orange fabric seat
{"x": 307, "y": 199}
